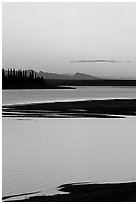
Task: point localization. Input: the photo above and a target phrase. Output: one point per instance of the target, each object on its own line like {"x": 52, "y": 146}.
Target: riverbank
{"x": 36, "y": 87}
{"x": 74, "y": 109}
{"x": 116, "y": 192}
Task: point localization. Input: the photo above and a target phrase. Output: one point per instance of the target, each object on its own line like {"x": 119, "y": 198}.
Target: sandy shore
{"x": 117, "y": 192}
{"x": 74, "y": 109}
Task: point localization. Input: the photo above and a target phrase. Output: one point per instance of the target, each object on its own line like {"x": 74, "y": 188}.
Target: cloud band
{"x": 100, "y": 61}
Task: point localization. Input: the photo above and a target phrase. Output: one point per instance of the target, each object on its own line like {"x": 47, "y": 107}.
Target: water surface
{"x": 80, "y": 93}
{"x": 41, "y": 154}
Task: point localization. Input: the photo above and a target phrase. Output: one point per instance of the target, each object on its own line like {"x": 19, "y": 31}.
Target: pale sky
{"x": 70, "y": 37}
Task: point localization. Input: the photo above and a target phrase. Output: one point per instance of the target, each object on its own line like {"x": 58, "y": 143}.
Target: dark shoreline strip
{"x": 108, "y": 192}
{"x": 16, "y": 195}
{"x": 78, "y": 109}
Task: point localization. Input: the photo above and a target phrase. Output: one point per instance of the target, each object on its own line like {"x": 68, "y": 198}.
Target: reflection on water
{"x": 42, "y": 95}
{"x": 41, "y": 154}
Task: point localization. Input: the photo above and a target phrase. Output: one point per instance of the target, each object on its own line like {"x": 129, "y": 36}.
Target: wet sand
{"x": 74, "y": 109}
{"x": 117, "y": 192}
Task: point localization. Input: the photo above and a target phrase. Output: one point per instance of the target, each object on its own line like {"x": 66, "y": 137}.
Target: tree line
{"x": 12, "y": 78}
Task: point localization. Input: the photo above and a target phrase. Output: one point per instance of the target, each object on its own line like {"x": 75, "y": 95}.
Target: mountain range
{"x": 76, "y": 76}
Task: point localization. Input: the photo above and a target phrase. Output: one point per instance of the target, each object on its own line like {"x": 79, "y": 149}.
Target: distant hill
{"x": 47, "y": 75}
{"x": 54, "y": 80}
{"x": 76, "y": 76}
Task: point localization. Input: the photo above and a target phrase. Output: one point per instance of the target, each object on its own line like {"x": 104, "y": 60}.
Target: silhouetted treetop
{"x": 12, "y": 78}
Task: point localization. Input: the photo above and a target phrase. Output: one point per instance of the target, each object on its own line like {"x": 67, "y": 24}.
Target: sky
{"x": 93, "y": 38}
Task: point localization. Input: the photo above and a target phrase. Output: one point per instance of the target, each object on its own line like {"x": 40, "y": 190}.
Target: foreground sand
{"x": 121, "y": 192}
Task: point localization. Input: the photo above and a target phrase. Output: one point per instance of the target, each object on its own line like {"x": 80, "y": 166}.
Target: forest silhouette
{"x": 29, "y": 79}
{"x": 12, "y": 78}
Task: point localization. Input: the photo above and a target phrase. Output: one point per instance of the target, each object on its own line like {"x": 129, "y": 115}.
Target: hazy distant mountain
{"x": 76, "y": 76}
{"x": 82, "y": 76}
{"x": 47, "y": 75}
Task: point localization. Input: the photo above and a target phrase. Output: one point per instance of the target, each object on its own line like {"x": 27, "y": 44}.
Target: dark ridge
{"x": 96, "y": 82}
